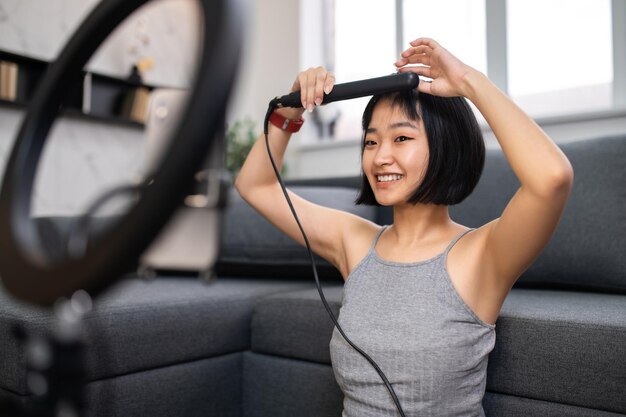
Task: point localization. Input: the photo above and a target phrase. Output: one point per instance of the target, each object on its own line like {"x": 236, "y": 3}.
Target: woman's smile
{"x": 387, "y": 180}
{"x": 388, "y": 177}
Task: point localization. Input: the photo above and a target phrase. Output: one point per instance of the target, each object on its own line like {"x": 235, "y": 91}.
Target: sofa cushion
{"x": 588, "y": 246}
{"x": 554, "y": 346}
{"x": 281, "y": 387}
{"x": 251, "y": 244}
{"x": 139, "y": 325}
{"x": 563, "y": 347}
{"x": 202, "y": 388}
{"x": 295, "y": 324}
{"x": 497, "y": 405}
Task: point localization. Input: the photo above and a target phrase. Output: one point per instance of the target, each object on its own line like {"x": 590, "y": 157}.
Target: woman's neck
{"x": 420, "y": 222}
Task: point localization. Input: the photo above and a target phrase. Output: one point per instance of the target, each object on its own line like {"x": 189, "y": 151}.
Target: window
{"x": 557, "y": 58}
{"x": 364, "y": 48}
{"x": 365, "y": 41}
{"x": 560, "y": 55}
{"x": 459, "y": 25}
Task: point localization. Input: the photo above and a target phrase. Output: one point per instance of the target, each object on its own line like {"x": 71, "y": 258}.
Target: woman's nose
{"x": 383, "y": 155}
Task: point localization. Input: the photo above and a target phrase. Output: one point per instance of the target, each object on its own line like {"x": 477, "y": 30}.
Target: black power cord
{"x": 272, "y": 106}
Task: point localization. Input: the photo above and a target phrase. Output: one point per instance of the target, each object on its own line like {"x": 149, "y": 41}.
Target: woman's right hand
{"x": 427, "y": 58}
{"x": 313, "y": 83}
{"x": 327, "y": 229}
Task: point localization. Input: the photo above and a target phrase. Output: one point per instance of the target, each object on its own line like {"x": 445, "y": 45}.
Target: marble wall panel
{"x": 86, "y": 157}
{"x": 81, "y": 160}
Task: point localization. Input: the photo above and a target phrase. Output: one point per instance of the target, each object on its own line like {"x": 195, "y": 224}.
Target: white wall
{"x": 270, "y": 60}
{"x": 164, "y": 30}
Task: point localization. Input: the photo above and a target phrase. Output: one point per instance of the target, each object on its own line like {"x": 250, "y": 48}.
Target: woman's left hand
{"x": 447, "y": 72}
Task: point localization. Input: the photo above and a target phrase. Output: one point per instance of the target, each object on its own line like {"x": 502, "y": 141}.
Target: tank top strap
{"x": 380, "y": 232}
{"x": 456, "y": 239}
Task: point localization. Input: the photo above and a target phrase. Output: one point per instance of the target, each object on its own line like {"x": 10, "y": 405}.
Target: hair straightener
{"x": 345, "y": 91}
{"x": 355, "y": 89}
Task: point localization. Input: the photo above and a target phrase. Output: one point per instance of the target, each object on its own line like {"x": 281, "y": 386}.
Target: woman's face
{"x": 395, "y": 154}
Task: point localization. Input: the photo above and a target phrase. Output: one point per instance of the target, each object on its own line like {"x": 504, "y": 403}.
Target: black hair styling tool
{"x": 355, "y": 89}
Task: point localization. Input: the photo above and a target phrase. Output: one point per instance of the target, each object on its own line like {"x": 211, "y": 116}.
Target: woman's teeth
{"x": 385, "y": 178}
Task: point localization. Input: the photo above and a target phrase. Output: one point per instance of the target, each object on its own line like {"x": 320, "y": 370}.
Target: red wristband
{"x": 285, "y": 124}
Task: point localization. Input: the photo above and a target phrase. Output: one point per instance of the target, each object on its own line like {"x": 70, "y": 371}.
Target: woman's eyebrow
{"x": 393, "y": 126}
{"x": 403, "y": 124}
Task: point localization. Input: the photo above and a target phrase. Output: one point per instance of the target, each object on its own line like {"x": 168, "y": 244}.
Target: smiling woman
{"x": 422, "y": 294}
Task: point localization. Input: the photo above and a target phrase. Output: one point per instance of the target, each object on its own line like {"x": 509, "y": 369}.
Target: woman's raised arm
{"x": 513, "y": 241}
{"x": 258, "y": 185}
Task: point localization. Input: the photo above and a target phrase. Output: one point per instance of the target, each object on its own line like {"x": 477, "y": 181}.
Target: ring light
{"x": 25, "y": 268}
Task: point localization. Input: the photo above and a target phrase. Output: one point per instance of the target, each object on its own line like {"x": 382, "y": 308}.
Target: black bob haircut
{"x": 455, "y": 142}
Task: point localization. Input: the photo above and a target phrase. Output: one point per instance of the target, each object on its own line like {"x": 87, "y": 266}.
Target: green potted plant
{"x": 240, "y": 137}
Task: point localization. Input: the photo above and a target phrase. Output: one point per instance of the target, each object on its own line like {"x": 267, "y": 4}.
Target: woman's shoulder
{"x": 469, "y": 242}
{"x": 358, "y": 243}
{"x": 365, "y": 232}
{"x": 470, "y": 274}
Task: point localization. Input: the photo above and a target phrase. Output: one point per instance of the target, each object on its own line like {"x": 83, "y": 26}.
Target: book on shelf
{"x": 8, "y": 80}
{"x": 135, "y": 104}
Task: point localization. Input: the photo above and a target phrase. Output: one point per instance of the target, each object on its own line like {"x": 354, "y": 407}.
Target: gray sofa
{"x": 255, "y": 341}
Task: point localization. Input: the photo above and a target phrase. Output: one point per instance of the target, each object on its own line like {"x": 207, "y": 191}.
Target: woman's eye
{"x": 370, "y": 143}
{"x": 402, "y": 138}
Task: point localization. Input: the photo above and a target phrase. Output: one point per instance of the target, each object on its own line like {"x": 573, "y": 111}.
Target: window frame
{"x": 497, "y": 52}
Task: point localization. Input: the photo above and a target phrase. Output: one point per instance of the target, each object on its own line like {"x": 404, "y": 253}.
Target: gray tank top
{"x": 411, "y": 321}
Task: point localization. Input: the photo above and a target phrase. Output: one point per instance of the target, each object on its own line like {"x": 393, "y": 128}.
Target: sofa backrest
{"x": 588, "y": 249}
{"x": 249, "y": 244}
{"x": 252, "y": 246}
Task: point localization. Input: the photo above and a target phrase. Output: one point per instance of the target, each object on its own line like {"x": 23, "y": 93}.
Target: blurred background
{"x": 563, "y": 61}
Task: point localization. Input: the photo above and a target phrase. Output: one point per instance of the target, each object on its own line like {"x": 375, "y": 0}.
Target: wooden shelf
{"x": 96, "y": 96}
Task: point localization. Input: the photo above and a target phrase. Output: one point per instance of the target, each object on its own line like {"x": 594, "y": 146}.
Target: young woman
{"x": 421, "y": 295}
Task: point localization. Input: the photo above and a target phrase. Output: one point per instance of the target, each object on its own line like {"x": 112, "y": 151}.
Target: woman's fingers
{"x": 416, "y": 50}
{"x": 425, "y": 86}
{"x": 313, "y": 84}
{"x": 431, "y": 43}
{"x": 415, "y": 55}
{"x": 320, "y": 83}
{"x": 307, "y": 92}
{"x": 329, "y": 83}
{"x": 324, "y": 83}
{"x": 414, "y": 59}
{"x": 431, "y": 60}
{"x": 419, "y": 70}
